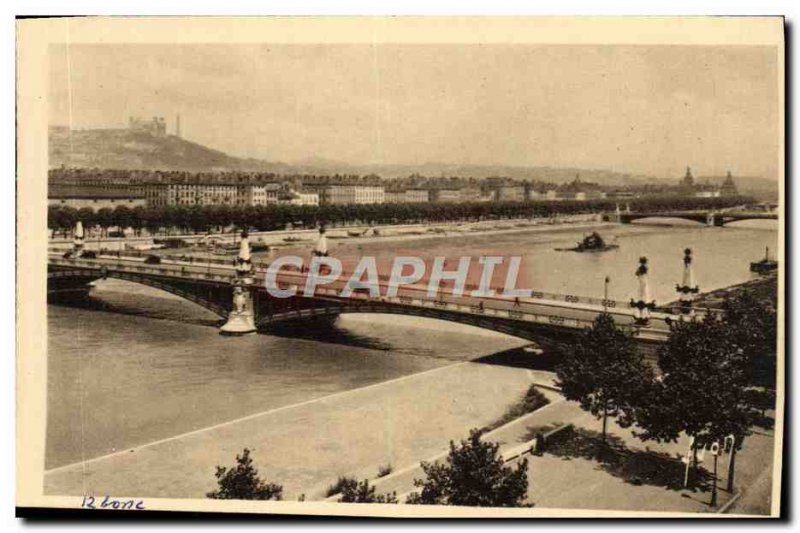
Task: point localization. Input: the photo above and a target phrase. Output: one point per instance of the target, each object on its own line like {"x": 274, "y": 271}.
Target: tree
{"x": 474, "y": 475}
{"x": 604, "y": 372}
{"x": 87, "y": 217}
{"x": 354, "y": 492}
{"x": 104, "y": 217}
{"x": 138, "y": 219}
{"x": 242, "y": 482}
{"x": 702, "y": 391}
{"x": 122, "y": 217}
{"x": 753, "y": 326}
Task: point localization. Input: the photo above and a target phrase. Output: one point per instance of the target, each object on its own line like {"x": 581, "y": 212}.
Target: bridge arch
{"x": 701, "y": 220}
{"x": 171, "y": 287}
{"x": 733, "y": 220}
{"x": 540, "y": 333}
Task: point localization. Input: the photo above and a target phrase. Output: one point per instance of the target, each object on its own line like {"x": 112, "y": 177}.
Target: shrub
{"x": 530, "y": 402}
{"x": 339, "y": 486}
{"x": 384, "y": 471}
{"x": 242, "y": 482}
{"x": 474, "y": 474}
{"x": 354, "y": 492}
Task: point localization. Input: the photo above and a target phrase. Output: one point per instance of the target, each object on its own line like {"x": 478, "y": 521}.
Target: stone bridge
{"x": 545, "y": 318}
{"x": 710, "y": 218}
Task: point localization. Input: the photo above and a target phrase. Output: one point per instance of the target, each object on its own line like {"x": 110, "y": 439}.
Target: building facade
{"x": 351, "y": 194}
{"x": 407, "y": 196}
{"x": 79, "y": 196}
{"x": 290, "y": 197}
{"x": 210, "y": 193}
{"x": 445, "y": 195}
{"x": 510, "y": 193}
{"x": 262, "y": 194}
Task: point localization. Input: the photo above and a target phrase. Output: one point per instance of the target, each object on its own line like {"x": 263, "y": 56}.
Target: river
{"x": 135, "y": 365}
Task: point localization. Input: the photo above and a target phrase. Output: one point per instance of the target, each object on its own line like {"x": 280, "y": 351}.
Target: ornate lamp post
{"x": 77, "y": 243}
{"x": 321, "y": 248}
{"x": 688, "y": 288}
{"x": 643, "y": 305}
{"x": 715, "y": 453}
{"x": 241, "y": 319}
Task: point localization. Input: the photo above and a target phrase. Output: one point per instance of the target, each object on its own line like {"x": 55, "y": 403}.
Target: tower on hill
{"x": 156, "y": 126}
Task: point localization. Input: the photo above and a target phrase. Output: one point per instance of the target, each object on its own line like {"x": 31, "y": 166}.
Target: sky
{"x": 640, "y": 109}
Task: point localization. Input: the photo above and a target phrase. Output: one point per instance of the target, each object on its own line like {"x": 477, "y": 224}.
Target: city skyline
{"x": 638, "y": 109}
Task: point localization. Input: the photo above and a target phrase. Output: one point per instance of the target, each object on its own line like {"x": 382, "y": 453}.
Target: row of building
{"x": 211, "y": 191}
{"x": 207, "y": 194}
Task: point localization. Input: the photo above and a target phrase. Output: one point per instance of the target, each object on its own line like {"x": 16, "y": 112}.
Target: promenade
{"x": 387, "y": 233}
{"x": 306, "y": 446}
{"x": 643, "y": 476}
{"x": 401, "y": 422}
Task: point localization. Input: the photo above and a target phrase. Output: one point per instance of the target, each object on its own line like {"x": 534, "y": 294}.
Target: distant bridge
{"x": 545, "y": 318}
{"x": 711, "y": 218}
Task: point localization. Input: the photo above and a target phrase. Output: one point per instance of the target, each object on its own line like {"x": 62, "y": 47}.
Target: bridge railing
{"x": 139, "y": 267}
{"x": 486, "y": 305}
{"x": 202, "y": 271}
{"x": 518, "y": 314}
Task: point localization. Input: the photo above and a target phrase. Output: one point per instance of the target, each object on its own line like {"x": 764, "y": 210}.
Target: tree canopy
{"x": 604, "y": 372}
{"x": 198, "y": 218}
{"x": 702, "y": 390}
{"x": 473, "y": 474}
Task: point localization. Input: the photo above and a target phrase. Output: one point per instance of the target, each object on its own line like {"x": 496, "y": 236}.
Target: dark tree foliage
{"x": 753, "y": 328}
{"x": 703, "y": 387}
{"x": 200, "y": 219}
{"x": 241, "y": 482}
{"x": 353, "y": 492}
{"x": 604, "y": 372}
{"x": 709, "y": 369}
{"x": 473, "y": 475}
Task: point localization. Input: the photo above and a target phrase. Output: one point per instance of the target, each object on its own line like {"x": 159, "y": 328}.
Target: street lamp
{"x": 605, "y": 293}
{"x": 715, "y": 453}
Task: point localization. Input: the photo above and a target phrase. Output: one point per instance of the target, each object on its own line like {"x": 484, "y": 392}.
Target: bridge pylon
{"x": 617, "y": 216}
{"x": 242, "y": 318}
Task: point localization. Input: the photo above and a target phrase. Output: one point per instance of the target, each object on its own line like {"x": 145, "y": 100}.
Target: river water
{"x": 135, "y": 365}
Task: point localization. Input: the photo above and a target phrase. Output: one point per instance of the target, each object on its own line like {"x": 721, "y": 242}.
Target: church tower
{"x": 688, "y": 180}
{"x": 728, "y": 186}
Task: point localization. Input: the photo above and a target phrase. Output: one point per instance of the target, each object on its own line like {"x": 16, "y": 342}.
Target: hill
{"x": 128, "y": 149}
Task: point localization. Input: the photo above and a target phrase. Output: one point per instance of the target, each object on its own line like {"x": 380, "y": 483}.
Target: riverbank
{"x": 764, "y": 288}
{"x": 369, "y": 234}
{"x": 307, "y": 446}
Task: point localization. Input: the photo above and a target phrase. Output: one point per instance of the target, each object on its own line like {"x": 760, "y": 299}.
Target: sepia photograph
{"x": 458, "y": 267}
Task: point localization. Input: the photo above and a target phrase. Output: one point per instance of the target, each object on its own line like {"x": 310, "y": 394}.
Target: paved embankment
{"x": 388, "y": 233}
{"x": 306, "y": 446}
{"x": 647, "y": 477}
